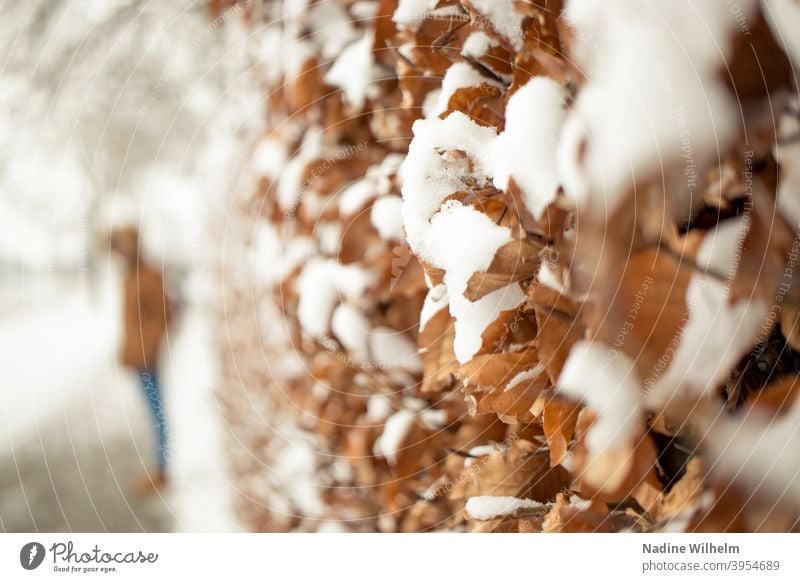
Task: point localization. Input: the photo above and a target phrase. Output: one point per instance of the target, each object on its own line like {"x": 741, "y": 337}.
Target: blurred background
{"x": 111, "y": 113}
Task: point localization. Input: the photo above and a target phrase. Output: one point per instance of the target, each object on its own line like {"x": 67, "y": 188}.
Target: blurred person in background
{"x": 147, "y": 311}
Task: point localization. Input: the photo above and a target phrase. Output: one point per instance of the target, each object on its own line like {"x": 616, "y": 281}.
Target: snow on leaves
{"x": 546, "y": 266}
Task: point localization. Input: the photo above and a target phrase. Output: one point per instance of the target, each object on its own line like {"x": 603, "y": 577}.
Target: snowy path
{"x": 60, "y": 481}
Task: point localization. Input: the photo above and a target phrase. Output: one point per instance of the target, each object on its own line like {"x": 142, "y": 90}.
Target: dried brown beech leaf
{"x": 402, "y": 313}
{"x": 513, "y": 262}
{"x": 496, "y": 370}
{"x": 436, "y": 350}
{"x": 390, "y": 450}
{"x": 417, "y": 442}
{"x": 385, "y": 29}
{"x": 513, "y": 404}
{"x": 758, "y": 65}
{"x": 478, "y": 431}
{"x": 357, "y": 450}
{"x": 512, "y": 330}
{"x": 559, "y": 419}
{"x": 326, "y": 175}
{"x": 547, "y": 299}
{"x": 522, "y": 470}
{"x": 765, "y": 249}
{"x": 305, "y": 87}
{"x": 612, "y": 475}
{"x": 430, "y": 43}
{"x": 583, "y": 517}
{"x": 686, "y": 493}
{"x": 541, "y": 40}
{"x": 357, "y": 229}
{"x": 776, "y": 398}
{"x": 435, "y": 275}
{"x": 557, "y": 334}
{"x": 402, "y": 274}
{"x": 721, "y": 512}
{"x": 504, "y": 35}
{"x": 651, "y": 498}
{"x": 644, "y": 308}
{"x": 483, "y": 104}
{"x": 530, "y": 525}
{"x": 497, "y": 61}
{"x": 515, "y": 202}
{"x": 790, "y": 326}
{"x": 424, "y": 516}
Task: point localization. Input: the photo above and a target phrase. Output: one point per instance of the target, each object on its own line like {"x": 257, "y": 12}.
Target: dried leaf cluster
{"x": 507, "y": 270}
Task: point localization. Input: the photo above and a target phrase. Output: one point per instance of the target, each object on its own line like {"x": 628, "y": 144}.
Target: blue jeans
{"x": 149, "y": 381}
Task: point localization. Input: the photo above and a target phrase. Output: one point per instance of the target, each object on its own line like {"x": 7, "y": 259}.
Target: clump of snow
{"x": 504, "y": 19}
{"x": 429, "y": 178}
{"x": 320, "y": 286}
{"x": 526, "y": 150}
{"x": 329, "y": 237}
{"x": 364, "y": 9}
{"x": 451, "y": 236}
{"x": 461, "y": 241}
{"x": 430, "y": 104}
{"x": 486, "y": 507}
{"x": 379, "y": 407}
{"x": 783, "y": 17}
{"x": 472, "y": 318}
{"x": 459, "y": 76}
{"x": 270, "y": 158}
{"x": 434, "y": 419}
{"x": 320, "y": 391}
{"x": 355, "y": 71}
{"x": 294, "y": 464}
{"x": 351, "y": 328}
{"x": 478, "y": 43}
{"x": 329, "y": 25}
{"x": 410, "y": 13}
{"x": 290, "y": 182}
{"x": 273, "y": 258}
{"x": 382, "y": 173}
{"x": 270, "y": 47}
{"x": 640, "y": 111}
{"x": 356, "y": 195}
{"x": 265, "y": 247}
{"x": 547, "y": 277}
{"x": 294, "y": 54}
{"x": 395, "y": 430}
{"x": 521, "y": 377}
{"x": 387, "y": 219}
{"x": 393, "y": 349}
{"x": 377, "y": 181}
{"x": 605, "y": 379}
{"x": 453, "y": 10}
{"x": 414, "y": 404}
{"x": 760, "y": 451}
{"x": 717, "y": 333}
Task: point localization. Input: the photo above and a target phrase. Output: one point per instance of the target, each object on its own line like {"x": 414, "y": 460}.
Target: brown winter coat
{"x": 147, "y": 312}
